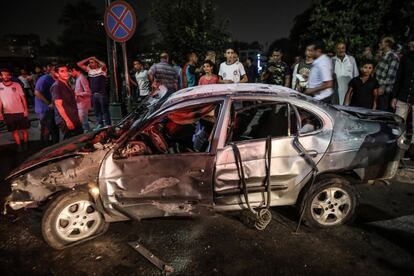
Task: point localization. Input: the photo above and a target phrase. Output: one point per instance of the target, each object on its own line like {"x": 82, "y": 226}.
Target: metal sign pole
{"x": 120, "y": 26}
{"x": 127, "y": 80}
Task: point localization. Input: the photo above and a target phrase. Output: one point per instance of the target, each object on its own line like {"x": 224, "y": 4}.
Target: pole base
{"x": 116, "y": 112}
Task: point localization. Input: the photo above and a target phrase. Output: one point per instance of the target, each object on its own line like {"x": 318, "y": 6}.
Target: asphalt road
{"x": 380, "y": 241}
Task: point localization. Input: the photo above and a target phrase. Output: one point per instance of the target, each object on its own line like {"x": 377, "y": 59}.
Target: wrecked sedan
{"x": 208, "y": 149}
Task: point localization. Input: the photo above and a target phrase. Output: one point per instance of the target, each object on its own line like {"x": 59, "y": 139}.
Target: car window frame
{"x": 323, "y": 116}
{"x": 269, "y": 100}
{"x": 188, "y": 104}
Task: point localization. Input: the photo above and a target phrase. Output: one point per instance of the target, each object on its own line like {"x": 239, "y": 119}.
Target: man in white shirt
{"x": 320, "y": 81}
{"x": 345, "y": 69}
{"x": 232, "y": 71}
{"x": 13, "y": 109}
{"x": 141, "y": 77}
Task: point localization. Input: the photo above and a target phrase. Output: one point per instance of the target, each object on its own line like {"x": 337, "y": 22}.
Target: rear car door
{"x": 249, "y": 124}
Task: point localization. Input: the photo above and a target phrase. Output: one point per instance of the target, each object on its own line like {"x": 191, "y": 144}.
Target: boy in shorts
{"x": 13, "y": 109}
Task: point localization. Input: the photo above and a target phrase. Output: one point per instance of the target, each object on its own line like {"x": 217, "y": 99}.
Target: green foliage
{"x": 355, "y": 21}
{"x": 140, "y": 42}
{"x": 189, "y": 25}
{"x": 359, "y": 23}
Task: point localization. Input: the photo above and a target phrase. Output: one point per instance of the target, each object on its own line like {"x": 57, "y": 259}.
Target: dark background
{"x": 261, "y": 20}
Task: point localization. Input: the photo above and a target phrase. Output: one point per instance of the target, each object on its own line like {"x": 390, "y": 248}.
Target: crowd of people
{"x": 63, "y": 95}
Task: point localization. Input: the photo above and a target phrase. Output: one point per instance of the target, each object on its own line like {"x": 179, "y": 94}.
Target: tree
{"x": 189, "y": 25}
{"x": 140, "y": 42}
{"x": 83, "y": 33}
{"x": 358, "y": 22}
{"x": 242, "y": 45}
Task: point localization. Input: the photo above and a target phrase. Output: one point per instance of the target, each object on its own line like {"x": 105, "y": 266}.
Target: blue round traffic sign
{"x": 120, "y": 21}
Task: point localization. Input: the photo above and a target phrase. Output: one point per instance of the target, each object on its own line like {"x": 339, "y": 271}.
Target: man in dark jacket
{"x": 403, "y": 90}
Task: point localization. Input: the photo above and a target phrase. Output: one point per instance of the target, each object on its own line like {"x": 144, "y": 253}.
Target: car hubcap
{"x": 331, "y": 206}
{"x": 77, "y": 221}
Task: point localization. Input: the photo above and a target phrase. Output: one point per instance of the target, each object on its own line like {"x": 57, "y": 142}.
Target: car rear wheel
{"x": 70, "y": 218}
{"x": 330, "y": 202}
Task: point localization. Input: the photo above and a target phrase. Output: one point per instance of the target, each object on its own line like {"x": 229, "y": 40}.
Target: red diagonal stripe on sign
{"x": 119, "y": 20}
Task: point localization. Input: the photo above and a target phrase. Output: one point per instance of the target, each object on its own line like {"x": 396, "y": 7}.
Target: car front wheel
{"x": 331, "y": 202}
{"x": 70, "y": 218}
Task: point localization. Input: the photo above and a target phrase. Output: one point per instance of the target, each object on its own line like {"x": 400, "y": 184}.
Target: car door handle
{"x": 312, "y": 153}
{"x": 196, "y": 171}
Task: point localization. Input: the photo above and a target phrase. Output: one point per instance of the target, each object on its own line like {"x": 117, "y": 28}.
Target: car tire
{"x": 70, "y": 218}
{"x": 330, "y": 202}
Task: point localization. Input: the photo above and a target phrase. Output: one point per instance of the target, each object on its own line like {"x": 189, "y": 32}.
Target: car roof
{"x": 214, "y": 90}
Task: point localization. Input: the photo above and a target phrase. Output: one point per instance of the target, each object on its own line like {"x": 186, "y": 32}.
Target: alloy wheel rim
{"x": 331, "y": 206}
{"x": 78, "y": 221}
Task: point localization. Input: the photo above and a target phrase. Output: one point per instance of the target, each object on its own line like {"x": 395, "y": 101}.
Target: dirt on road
{"x": 380, "y": 242}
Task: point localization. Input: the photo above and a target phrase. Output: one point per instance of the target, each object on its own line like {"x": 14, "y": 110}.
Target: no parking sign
{"x": 120, "y": 21}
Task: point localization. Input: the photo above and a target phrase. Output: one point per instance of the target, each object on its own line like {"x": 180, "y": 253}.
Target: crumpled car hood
{"x": 369, "y": 114}
{"x": 61, "y": 150}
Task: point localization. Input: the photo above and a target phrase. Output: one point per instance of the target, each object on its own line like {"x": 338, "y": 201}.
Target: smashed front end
{"x": 64, "y": 166}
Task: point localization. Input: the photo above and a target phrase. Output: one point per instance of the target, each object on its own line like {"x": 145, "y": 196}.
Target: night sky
{"x": 262, "y": 20}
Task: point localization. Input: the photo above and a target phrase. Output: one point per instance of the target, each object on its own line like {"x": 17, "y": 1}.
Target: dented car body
{"x": 177, "y": 157}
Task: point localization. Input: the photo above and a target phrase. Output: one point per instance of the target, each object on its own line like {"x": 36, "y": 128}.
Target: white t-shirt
{"x": 321, "y": 71}
{"x": 96, "y": 72}
{"x": 233, "y": 72}
{"x": 346, "y": 67}
{"x": 26, "y": 81}
{"x": 10, "y": 98}
{"x": 143, "y": 82}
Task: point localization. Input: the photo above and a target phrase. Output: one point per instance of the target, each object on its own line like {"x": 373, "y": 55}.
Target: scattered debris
{"x": 163, "y": 266}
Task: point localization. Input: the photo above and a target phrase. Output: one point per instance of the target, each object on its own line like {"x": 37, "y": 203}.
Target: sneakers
{"x": 98, "y": 127}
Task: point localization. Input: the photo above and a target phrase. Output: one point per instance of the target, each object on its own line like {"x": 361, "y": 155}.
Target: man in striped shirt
{"x": 386, "y": 72}
{"x": 163, "y": 73}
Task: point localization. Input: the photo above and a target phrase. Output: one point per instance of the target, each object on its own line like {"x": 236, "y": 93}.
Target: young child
{"x": 13, "y": 109}
{"x": 363, "y": 90}
{"x": 209, "y": 77}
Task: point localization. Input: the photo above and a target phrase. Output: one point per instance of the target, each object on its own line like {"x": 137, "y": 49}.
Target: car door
{"x": 175, "y": 182}
{"x": 250, "y": 122}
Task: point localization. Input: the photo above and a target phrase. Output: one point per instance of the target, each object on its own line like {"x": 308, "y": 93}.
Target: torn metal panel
{"x": 40, "y": 183}
{"x": 85, "y": 143}
{"x": 167, "y": 180}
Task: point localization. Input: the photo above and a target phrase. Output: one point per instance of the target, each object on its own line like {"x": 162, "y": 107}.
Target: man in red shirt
{"x": 13, "y": 109}
{"x": 209, "y": 77}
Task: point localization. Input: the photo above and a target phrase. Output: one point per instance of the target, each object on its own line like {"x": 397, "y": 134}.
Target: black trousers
{"x": 48, "y": 127}
{"x": 327, "y": 100}
{"x": 384, "y": 102}
{"x": 71, "y": 133}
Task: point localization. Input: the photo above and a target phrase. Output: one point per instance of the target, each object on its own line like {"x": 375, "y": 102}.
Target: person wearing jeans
{"x": 101, "y": 109}
{"x": 96, "y": 70}
{"x": 83, "y": 96}
{"x": 44, "y": 108}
